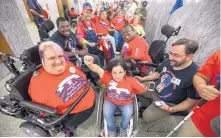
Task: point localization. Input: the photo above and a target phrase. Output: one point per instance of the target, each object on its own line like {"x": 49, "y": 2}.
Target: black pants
{"x": 74, "y": 120}
{"x": 42, "y": 33}
{"x": 100, "y": 54}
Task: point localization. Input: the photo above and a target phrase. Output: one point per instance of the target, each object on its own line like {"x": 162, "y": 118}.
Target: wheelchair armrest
{"x": 38, "y": 107}
{"x": 147, "y": 64}
{"x": 60, "y": 118}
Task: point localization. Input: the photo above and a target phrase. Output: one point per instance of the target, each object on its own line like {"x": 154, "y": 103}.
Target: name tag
{"x": 175, "y": 81}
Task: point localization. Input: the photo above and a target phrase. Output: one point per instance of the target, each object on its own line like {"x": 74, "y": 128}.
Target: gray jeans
{"x": 152, "y": 112}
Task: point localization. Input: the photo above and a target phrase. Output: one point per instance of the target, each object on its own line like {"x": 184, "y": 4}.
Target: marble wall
{"x": 199, "y": 19}
{"x": 13, "y": 28}
{"x": 23, "y": 10}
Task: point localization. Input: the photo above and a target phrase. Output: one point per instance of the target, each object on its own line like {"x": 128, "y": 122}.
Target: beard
{"x": 177, "y": 64}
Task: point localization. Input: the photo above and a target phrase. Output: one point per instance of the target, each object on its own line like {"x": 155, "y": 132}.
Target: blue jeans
{"x": 118, "y": 36}
{"x": 109, "y": 109}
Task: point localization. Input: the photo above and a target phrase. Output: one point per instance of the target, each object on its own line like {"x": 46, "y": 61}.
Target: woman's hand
{"x": 88, "y": 60}
{"x": 92, "y": 44}
{"x": 208, "y": 92}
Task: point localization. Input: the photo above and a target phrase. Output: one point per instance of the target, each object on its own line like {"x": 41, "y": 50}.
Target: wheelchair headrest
{"x": 47, "y": 25}
{"x": 157, "y": 47}
{"x": 32, "y": 54}
{"x": 167, "y": 30}
{"x": 21, "y": 83}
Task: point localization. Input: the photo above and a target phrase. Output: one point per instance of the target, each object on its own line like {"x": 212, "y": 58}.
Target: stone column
{"x": 12, "y": 26}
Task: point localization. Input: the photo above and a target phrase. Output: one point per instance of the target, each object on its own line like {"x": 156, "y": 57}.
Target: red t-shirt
{"x": 211, "y": 109}
{"x": 73, "y": 13}
{"x": 81, "y": 30}
{"x": 118, "y": 23}
{"x": 121, "y": 93}
{"x": 103, "y": 26}
{"x": 61, "y": 91}
{"x": 137, "y": 49}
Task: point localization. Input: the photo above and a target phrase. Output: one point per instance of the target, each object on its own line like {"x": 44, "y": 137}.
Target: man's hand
{"x": 207, "y": 92}
{"x": 88, "y": 60}
{"x": 42, "y": 16}
{"x": 139, "y": 78}
{"x": 165, "y": 107}
{"x": 92, "y": 44}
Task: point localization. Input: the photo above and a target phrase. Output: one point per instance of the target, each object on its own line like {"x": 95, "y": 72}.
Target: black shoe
{"x": 68, "y": 132}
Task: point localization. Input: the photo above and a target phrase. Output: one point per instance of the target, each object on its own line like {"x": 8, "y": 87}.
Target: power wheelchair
{"x": 156, "y": 52}
{"x": 40, "y": 120}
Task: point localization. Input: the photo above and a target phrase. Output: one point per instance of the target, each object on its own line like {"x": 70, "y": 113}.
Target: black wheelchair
{"x": 44, "y": 28}
{"x": 40, "y": 120}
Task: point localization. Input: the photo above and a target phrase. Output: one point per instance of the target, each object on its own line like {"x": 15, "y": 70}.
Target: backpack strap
{"x": 86, "y": 25}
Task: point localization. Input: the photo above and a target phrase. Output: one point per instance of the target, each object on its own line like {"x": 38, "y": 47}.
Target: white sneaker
{"x": 123, "y": 133}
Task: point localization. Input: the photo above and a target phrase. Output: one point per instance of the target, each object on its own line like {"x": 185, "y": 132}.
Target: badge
{"x": 36, "y": 73}
{"x": 175, "y": 81}
{"x": 164, "y": 69}
{"x": 113, "y": 83}
{"x": 72, "y": 70}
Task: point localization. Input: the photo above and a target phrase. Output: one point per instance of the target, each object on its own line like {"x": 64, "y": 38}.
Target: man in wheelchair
{"x": 135, "y": 47}
{"x": 174, "y": 91}
{"x": 59, "y": 83}
{"x": 72, "y": 47}
{"x": 120, "y": 91}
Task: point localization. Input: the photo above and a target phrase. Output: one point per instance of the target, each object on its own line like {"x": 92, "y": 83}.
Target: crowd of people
{"x": 179, "y": 83}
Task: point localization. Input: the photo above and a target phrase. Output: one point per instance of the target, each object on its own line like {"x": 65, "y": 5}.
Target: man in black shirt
{"x": 174, "y": 85}
{"x": 72, "y": 46}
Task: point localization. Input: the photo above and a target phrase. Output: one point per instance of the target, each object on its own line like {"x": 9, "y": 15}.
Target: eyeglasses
{"x": 176, "y": 55}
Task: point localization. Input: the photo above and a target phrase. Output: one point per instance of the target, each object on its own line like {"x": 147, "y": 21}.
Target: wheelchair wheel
{"x": 136, "y": 113}
{"x": 100, "y": 109}
{"x": 33, "y": 130}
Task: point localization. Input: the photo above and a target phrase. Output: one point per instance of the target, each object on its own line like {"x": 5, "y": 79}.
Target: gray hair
{"x": 48, "y": 44}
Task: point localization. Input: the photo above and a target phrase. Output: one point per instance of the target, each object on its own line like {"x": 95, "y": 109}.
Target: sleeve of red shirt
{"x": 137, "y": 86}
{"x": 139, "y": 52}
{"x": 106, "y": 78}
{"x": 207, "y": 68}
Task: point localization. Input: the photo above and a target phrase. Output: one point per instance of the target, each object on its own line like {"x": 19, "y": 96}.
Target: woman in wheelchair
{"x": 59, "y": 83}
{"x": 135, "y": 47}
{"x": 120, "y": 91}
